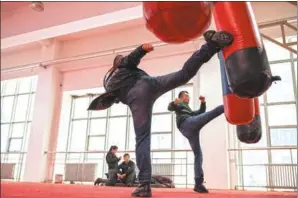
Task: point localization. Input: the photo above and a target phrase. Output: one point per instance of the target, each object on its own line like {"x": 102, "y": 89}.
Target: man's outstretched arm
{"x": 173, "y": 106}
{"x": 134, "y": 58}
{"x": 202, "y": 107}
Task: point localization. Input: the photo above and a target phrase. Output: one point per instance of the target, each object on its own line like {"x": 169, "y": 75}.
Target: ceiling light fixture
{"x": 37, "y": 6}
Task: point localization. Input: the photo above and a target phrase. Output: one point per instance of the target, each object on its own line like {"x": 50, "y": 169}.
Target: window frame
{"x": 11, "y": 122}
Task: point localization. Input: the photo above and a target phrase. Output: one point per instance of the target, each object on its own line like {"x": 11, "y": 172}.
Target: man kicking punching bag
{"x": 190, "y": 124}
{"x": 134, "y": 87}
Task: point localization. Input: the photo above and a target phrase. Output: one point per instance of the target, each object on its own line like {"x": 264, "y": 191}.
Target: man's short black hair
{"x": 181, "y": 93}
{"x": 114, "y": 147}
{"x": 126, "y": 154}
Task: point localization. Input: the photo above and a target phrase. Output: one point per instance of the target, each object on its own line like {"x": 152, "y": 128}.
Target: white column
{"x": 45, "y": 114}
{"x": 213, "y": 136}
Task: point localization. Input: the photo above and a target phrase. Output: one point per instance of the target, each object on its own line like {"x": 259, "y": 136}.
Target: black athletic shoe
{"x": 143, "y": 190}
{"x": 200, "y": 189}
{"x": 221, "y": 38}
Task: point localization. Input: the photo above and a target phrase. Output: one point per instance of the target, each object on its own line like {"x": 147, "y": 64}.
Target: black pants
{"x": 112, "y": 179}
{"x": 190, "y": 128}
{"x": 142, "y": 96}
{"x": 129, "y": 179}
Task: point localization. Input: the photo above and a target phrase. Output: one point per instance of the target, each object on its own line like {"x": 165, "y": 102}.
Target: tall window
{"x": 17, "y": 102}
{"x": 279, "y": 120}
{"x": 98, "y": 130}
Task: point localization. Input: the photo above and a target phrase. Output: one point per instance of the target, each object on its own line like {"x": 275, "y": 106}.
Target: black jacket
{"x": 119, "y": 83}
{"x": 127, "y": 168}
{"x": 112, "y": 160}
{"x": 183, "y": 111}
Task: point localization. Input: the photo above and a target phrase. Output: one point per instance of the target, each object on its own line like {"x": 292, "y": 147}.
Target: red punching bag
{"x": 238, "y": 111}
{"x": 247, "y": 65}
{"x": 177, "y": 22}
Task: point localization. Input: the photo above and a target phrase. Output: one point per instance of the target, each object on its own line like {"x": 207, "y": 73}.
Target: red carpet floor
{"x": 37, "y": 190}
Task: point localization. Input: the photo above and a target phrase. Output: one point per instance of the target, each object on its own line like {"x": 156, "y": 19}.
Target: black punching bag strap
{"x": 275, "y": 78}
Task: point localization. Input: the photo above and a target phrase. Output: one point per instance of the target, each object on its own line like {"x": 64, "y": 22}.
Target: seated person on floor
{"x": 125, "y": 172}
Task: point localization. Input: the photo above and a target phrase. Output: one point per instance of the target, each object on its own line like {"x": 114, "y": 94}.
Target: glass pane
{"x": 294, "y": 155}
{"x": 10, "y": 87}
{"x": 162, "y": 123}
{"x": 180, "y": 141}
{"x": 32, "y": 104}
{"x": 102, "y": 113}
{"x": 132, "y": 136}
{"x": 80, "y": 107}
{"x": 263, "y": 120}
{"x": 261, "y": 99}
{"x": 275, "y": 52}
{"x": 78, "y": 136}
{"x": 34, "y": 83}
{"x": 254, "y": 176}
{"x": 189, "y": 89}
{"x": 6, "y": 109}
{"x": 118, "y": 109}
{"x": 295, "y": 63}
{"x": 24, "y": 85}
{"x": 282, "y": 115}
{"x": 254, "y": 157}
{"x": 26, "y": 137}
{"x": 98, "y": 126}
{"x": 282, "y": 157}
{"x": 117, "y": 132}
{"x": 161, "y": 141}
{"x": 17, "y": 130}
{"x": 96, "y": 143}
{"x": 15, "y": 145}
{"x": 21, "y": 108}
{"x": 282, "y": 90}
{"x": 4, "y": 137}
{"x": 283, "y": 137}
{"x": 161, "y": 104}
{"x": 2, "y": 86}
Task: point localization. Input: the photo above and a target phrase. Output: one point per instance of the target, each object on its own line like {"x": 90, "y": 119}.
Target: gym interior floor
{"x": 40, "y": 190}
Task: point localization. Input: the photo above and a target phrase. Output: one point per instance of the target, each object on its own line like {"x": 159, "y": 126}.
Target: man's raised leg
{"x": 199, "y": 121}
{"x": 190, "y": 68}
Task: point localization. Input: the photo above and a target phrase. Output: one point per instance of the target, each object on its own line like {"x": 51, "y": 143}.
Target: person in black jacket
{"x": 112, "y": 161}
{"x": 127, "y": 171}
{"x": 132, "y": 86}
{"x": 190, "y": 123}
